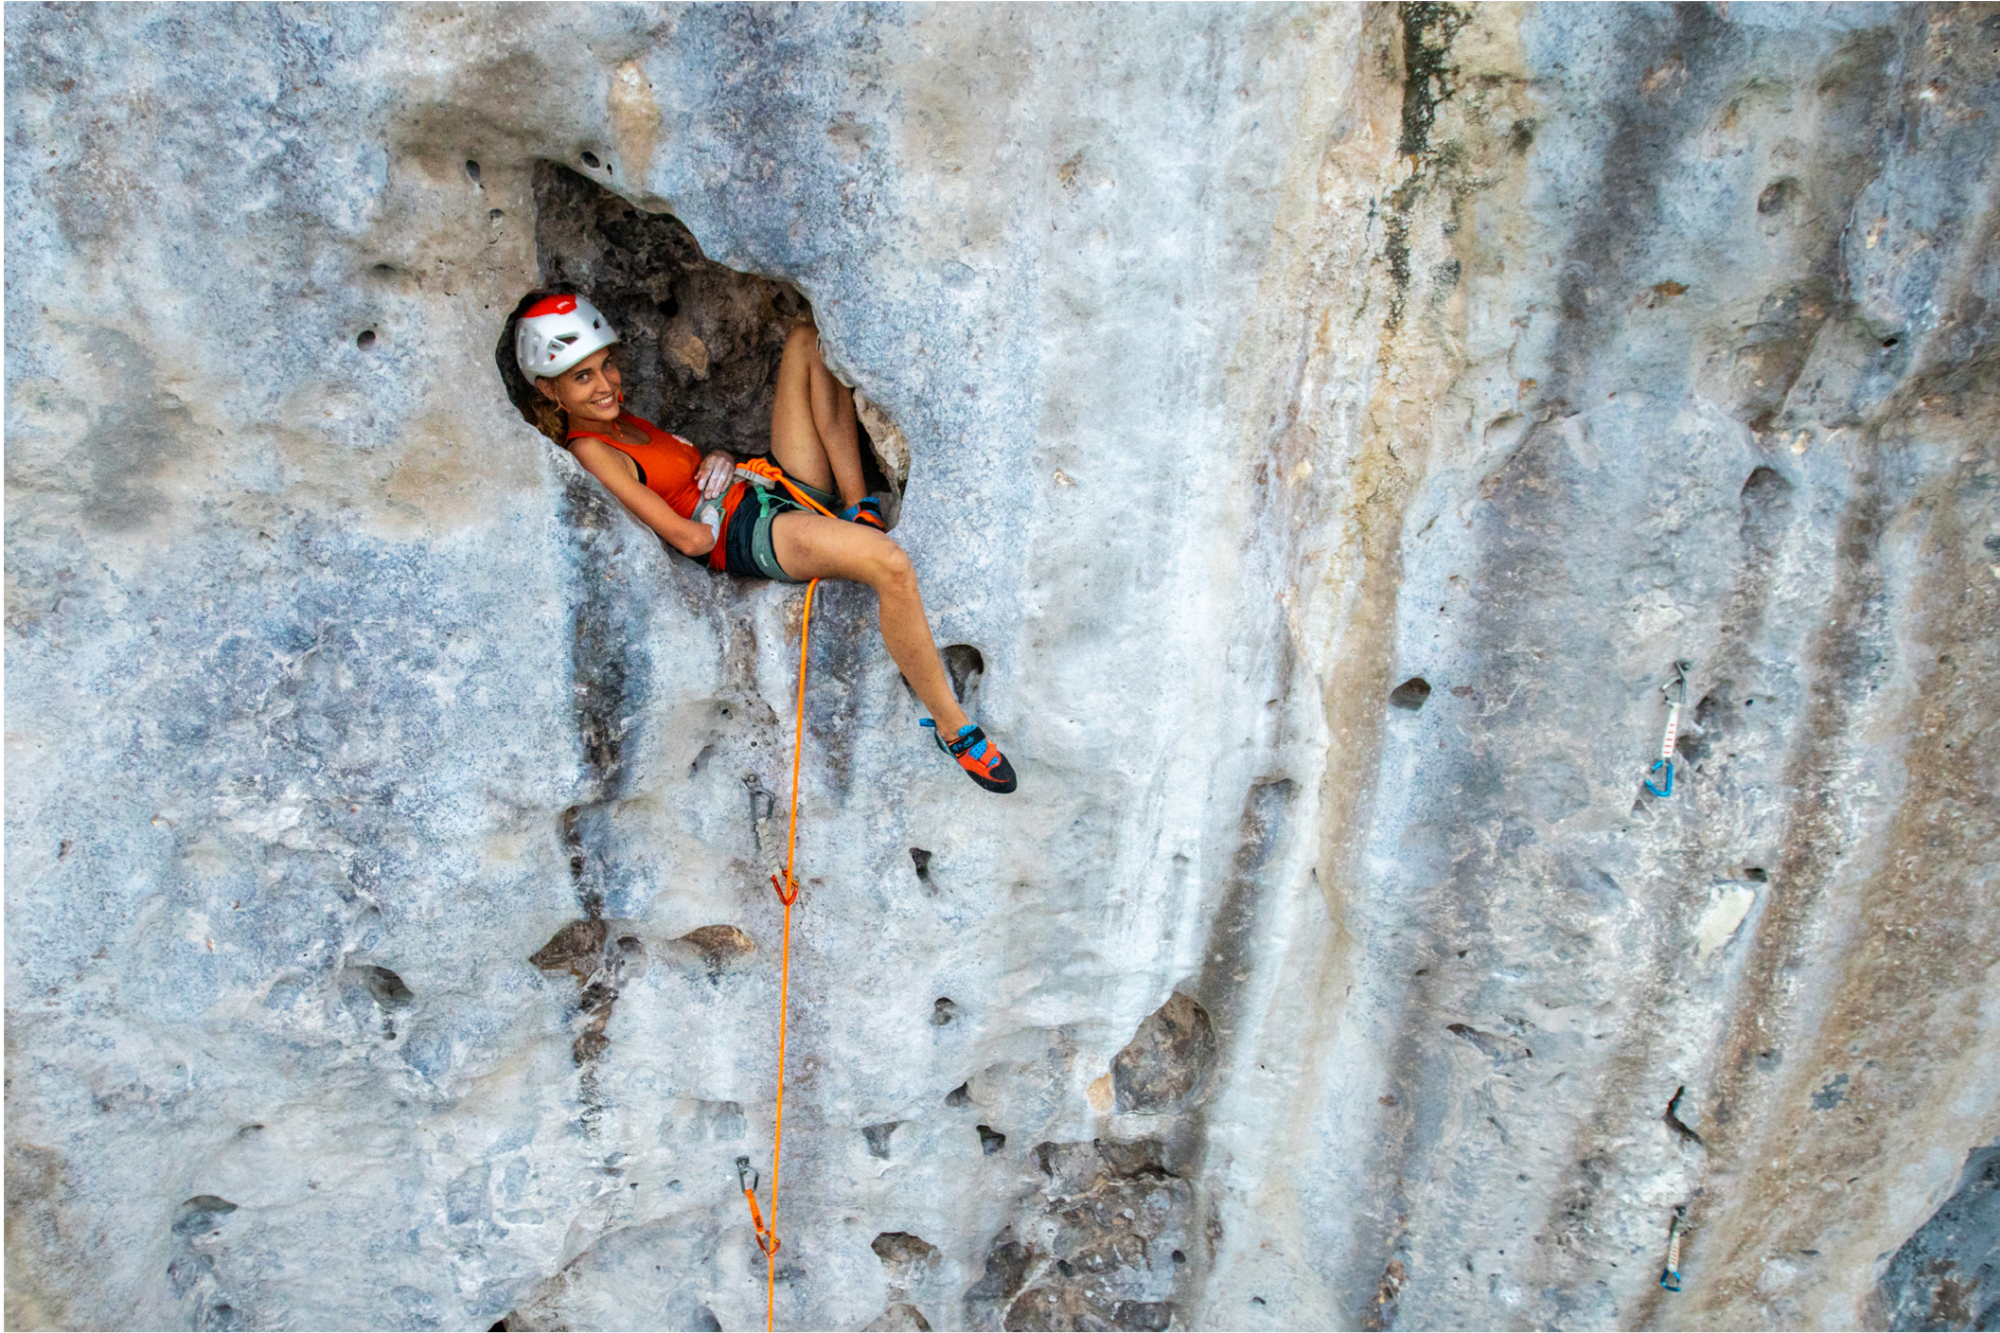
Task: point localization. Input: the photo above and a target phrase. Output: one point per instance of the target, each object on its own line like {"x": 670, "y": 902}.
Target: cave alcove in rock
{"x": 699, "y": 341}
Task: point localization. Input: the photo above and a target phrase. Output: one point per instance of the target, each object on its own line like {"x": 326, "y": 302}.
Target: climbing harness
{"x": 765, "y": 475}
{"x": 788, "y": 893}
{"x": 1670, "y": 1277}
{"x": 1674, "y": 705}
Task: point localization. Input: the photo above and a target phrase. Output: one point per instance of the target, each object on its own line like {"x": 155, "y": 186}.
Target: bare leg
{"x": 813, "y": 431}
{"x": 812, "y": 547}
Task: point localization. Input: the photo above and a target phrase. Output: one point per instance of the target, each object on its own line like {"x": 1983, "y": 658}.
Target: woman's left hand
{"x": 716, "y": 472}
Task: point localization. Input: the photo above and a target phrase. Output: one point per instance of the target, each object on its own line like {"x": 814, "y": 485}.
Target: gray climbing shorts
{"x": 747, "y": 539}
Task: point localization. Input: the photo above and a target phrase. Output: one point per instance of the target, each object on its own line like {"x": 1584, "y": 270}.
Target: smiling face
{"x": 588, "y": 390}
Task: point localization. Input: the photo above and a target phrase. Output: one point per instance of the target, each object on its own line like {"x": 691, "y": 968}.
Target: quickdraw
{"x": 1670, "y": 1277}
{"x": 1674, "y": 706}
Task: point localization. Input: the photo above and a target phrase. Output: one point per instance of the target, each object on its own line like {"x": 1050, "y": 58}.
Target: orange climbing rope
{"x": 788, "y": 893}
{"x": 763, "y": 473}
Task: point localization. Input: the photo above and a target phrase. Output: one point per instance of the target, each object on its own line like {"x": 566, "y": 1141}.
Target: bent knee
{"x": 803, "y": 340}
{"x": 892, "y": 567}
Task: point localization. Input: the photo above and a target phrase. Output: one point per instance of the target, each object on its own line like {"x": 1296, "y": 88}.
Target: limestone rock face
{"x": 1318, "y": 431}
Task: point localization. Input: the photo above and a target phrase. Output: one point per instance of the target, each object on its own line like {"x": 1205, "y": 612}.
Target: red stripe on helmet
{"x": 550, "y": 305}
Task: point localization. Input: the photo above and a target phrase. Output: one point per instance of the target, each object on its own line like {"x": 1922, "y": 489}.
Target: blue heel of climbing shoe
{"x": 867, "y": 512}
{"x": 980, "y": 758}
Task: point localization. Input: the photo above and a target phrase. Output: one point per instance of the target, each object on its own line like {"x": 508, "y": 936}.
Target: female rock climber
{"x": 698, "y": 504}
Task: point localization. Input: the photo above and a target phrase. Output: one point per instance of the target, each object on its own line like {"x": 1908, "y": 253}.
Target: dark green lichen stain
{"x": 1428, "y": 30}
{"x": 1832, "y": 1095}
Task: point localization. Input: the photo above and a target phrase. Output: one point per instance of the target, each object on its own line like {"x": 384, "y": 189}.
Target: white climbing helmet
{"x": 556, "y": 332}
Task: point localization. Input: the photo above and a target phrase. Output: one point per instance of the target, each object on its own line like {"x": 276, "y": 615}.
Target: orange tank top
{"x": 667, "y": 466}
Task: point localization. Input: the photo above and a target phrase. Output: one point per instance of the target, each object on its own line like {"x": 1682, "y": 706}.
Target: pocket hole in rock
{"x": 1411, "y": 694}
{"x": 960, "y": 1096}
{"x": 991, "y": 1140}
{"x": 1776, "y": 195}
{"x": 1756, "y": 874}
{"x": 387, "y": 988}
{"x": 921, "y": 859}
{"x": 590, "y": 160}
{"x": 965, "y": 664}
{"x": 1179, "y": 1258}
{"x": 383, "y": 272}
{"x": 943, "y": 1012}
{"x": 472, "y": 170}
{"x": 200, "y": 1214}
{"x": 878, "y": 1138}
{"x": 366, "y": 339}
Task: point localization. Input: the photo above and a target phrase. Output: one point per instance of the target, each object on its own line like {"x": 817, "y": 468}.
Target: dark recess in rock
{"x": 991, "y": 1140}
{"x": 943, "y": 1012}
{"x": 200, "y": 1214}
{"x": 877, "y": 1137}
{"x": 902, "y": 1317}
{"x": 588, "y": 951}
{"x": 1007, "y": 1262}
{"x": 921, "y": 859}
{"x": 387, "y": 988}
{"x": 1116, "y": 1221}
{"x": 576, "y": 948}
{"x": 965, "y": 664}
{"x": 701, "y": 341}
{"x": 1168, "y": 1059}
{"x": 959, "y": 1097}
{"x": 1947, "y": 1274}
{"x": 1411, "y": 694}
{"x": 902, "y": 1247}
{"x": 1673, "y": 1119}
{"x": 1776, "y": 195}
{"x": 1503, "y": 1049}
{"x": 719, "y": 946}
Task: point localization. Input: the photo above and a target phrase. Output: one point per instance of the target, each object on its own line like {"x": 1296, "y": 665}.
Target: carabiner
{"x": 1659, "y": 764}
{"x": 746, "y": 1175}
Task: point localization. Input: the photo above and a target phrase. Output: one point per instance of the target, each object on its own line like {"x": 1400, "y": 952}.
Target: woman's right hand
{"x": 716, "y": 472}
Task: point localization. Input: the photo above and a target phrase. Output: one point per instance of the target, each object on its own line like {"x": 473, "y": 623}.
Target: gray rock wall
{"x": 1326, "y": 425}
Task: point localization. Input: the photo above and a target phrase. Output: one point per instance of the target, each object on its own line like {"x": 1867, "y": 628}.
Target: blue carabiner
{"x": 1658, "y": 764}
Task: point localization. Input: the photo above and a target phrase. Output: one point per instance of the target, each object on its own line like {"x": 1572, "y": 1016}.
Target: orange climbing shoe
{"x": 980, "y": 758}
